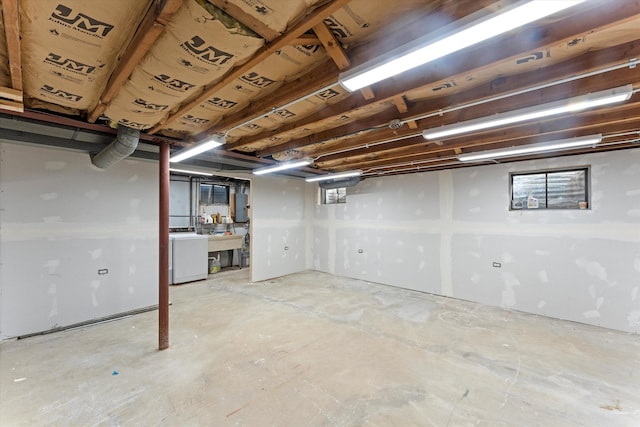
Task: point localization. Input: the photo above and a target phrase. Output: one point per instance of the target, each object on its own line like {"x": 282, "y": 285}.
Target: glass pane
{"x": 525, "y": 186}
{"x": 220, "y": 195}
{"x": 565, "y": 190}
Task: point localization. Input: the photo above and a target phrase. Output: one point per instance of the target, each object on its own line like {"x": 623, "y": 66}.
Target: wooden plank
{"x": 11, "y": 106}
{"x": 9, "y": 93}
{"x": 367, "y": 93}
{"x": 401, "y": 105}
{"x": 306, "y": 40}
{"x": 300, "y": 28}
{"x": 11, "y": 18}
{"x": 148, "y": 32}
{"x": 332, "y": 45}
{"x": 250, "y": 21}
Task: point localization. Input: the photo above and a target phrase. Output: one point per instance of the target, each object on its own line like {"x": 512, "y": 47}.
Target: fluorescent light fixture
{"x": 542, "y": 147}
{"x": 201, "y": 147}
{"x": 577, "y": 103}
{"x": 283, "y": 166}
{"x": 190, "y": 172}
{"x": 333, "y": 176}
{"x": 405, "y": 58}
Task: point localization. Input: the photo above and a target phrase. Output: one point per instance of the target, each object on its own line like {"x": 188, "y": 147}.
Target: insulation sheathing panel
{"x": 275, "y": 14}
{"x": 71, "y": 47}
{"x": 198, "y": 47}
{"x": 285, "y": 65}
{"x": 593, "y": 40}
{"x": 5, "y": 75}
{"x": 321, "y": 125}
{"x": 353, "y": 23}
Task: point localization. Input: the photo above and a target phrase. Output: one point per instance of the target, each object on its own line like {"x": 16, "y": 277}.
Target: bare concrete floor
{"x": 311, "y": 349}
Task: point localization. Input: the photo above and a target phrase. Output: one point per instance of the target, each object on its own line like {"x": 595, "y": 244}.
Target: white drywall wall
{"x": 278, "y": 226}
{"x": 61, "y": 220}
{"x": 440, "y": 232}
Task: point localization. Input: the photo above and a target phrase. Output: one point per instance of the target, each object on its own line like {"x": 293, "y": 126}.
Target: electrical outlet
{"x": 103, "y": 271}
{"x": 497, "y": 265}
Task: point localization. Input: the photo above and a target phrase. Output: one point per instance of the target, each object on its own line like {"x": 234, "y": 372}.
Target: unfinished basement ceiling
{"x": 264, "y": 73}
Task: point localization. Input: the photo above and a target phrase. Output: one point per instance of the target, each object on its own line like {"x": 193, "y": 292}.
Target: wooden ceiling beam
{"x": 619, "y": 119}
{"x": 312, "y": 19}
{"x": 525, "y": 42}
{"x": 492, "y": 89}
{"x": 627, "y": 119}
{"x": 305, "y": 40}
{"x": 10, "y": 14}
{"x": 152, "y": 26}
{"x": 332, "y": 45}
{"x": 248, "y": 20}
{"x": 358, "y": 55}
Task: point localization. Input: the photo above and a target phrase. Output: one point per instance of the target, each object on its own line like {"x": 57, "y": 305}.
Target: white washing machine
{"x": 187, "y": 257}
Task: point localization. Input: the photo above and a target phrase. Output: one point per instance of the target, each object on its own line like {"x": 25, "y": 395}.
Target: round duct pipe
{"x": 123, "y": 146}
{"x": 340, "y": 183}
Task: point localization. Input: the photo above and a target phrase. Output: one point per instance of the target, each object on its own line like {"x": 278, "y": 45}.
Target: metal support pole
{"x": 163, "y": 264}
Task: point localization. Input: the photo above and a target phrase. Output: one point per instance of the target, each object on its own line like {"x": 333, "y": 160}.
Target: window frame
{"x": 587, "y": 191}
{"x": 339, "y": 200}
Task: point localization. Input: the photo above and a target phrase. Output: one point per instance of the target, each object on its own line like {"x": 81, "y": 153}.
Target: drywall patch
{"x": 634, "y": 293}
{"x": 96, "y": 253}
{"x": 632, "y": 193}
{"x": 634, "y": 318}
{"x": 542, "y": 303}
{"x": 49, "y": 196}
{"x": 475, "y": 278}
{"x": 133, "y": 179}
{"x": 507, "y": 258}
{"x": 593, "y": 268}
{"x": 543, "y": 276}
{"x": 508, "y": 294}
{"x": 634, "y": 213}
{"x": 51, "y": 266}
{"x": 542, "y": 253}
{"x": 591, "y": 314}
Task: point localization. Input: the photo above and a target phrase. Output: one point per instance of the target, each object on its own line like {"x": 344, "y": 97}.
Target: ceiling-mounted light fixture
{"x": 333, "y": 176}
{"x": 578, "y": 103}
{"x": 283, "y": 166}
{"x": 206, "y": 145}
{"x": 542, "y": 147}
{"x": 190, "y": 172}
{"x": 425, "y": 50}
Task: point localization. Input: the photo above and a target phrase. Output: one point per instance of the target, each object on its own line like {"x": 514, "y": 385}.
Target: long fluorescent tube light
{"x": 206, "y": 145}
{"x": 403, "y": 58}
{"x": 542, "y": 147}
{"x": 190, "y": 172}
{"x": 283, "y": 166}
{"x": 333, "y": 176}
{"x": 577, "y": 103}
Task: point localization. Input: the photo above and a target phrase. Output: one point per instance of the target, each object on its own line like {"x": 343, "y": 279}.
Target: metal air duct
{"x": 123, "y": 146}
{"x": 327, "y": 185}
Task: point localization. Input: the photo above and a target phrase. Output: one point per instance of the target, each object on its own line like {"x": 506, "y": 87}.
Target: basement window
{"x": 332, "y": 196}
{"x": 550, "y": 189}
{"x": 212, "y": 194}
